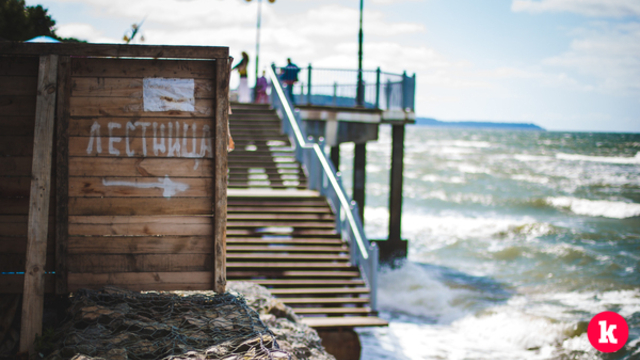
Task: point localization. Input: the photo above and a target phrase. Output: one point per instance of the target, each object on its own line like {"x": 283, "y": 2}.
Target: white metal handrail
{"x": 323, "y": 177}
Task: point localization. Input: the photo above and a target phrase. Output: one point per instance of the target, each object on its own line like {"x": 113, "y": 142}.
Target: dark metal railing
{"x": 323, "y": 177}
{"x": 339, "y": 87}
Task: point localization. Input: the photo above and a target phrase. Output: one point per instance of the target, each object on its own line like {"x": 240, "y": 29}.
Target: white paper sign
{"x": 162, "y": 94}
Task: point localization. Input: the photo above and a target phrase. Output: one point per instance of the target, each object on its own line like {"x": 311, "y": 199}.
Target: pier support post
{"x": 394, "y": 247}
{"x": 359, "y": 176}
{"x": 335, "y": 156}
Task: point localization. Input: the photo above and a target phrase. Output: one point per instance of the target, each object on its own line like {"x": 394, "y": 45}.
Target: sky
{"x": 561, "y": 64}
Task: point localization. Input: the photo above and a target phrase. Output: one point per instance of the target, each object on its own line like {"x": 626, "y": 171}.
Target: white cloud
{"x": 595, "y": 8}
{"x": 86, "y": 32}
{"x": 610, "y": 54}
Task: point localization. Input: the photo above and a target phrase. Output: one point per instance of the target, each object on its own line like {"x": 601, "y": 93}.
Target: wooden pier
{"x": 281, "y": 235}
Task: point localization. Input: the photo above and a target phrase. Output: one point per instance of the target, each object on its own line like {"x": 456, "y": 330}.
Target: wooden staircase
{"x": 281, "y": 235}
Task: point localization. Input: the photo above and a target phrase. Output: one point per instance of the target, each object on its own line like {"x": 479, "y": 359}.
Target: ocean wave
{"x": 603, "y": 159}
{"x": 531, "y": 178}
{"x": 595, "y": 208}
{"x": 412, "y": 290}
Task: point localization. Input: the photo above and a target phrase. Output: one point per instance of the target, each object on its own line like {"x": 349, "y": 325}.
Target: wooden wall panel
{"x": 135, "y": 209}
{"x": 18, "y": 91}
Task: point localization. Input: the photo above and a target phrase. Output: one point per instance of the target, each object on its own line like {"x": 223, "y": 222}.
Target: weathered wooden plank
{"x": 242, "y": 240}
{"x": 123, "y": 106}
{"x": 179, "y": 167}
{"x": 293, "y": 274}
{"x": 325, "y": 300}
{"x": 344, "y": 322}
{"x": 149, "y": 187}
{"x": 286, "y": 257}
{"x": 333, "y": 310}
{"x": 14, "y": 283}
{"x": 143, "y": 127}
{"x": 16, "y": 166}
{"x": 293, "y": 265}
{"x": 19, "y": 85}
{"x": 141, "y": 68}
{"x": 107, "y": 263}
{"x": 143, "y": 281}
{"x": 19, "y": 66}
{"x": 285, "y": 249}
{"x": 319, "y": 291}
{"x": 222, "y": 69}
{"x": 17, "y": 225}
{"x": 18, "y": 245}
{"x": 284, "y": 209}
{"x": 16, "y": 262}
{"x": 126, "y": 87}
{"x": 295, "y": 224}
{"x": 140, "y": 225}
{"x": 33, "y": 294}
{"x": 115, "y": 50}
{"x": 12, "y": 145}
{"x": 19, "y": 206}
{"x": 15, "y": 105}
{"x": 140, "y": 206}
{"x": 15, "y": 186}
{"x": 62, "y": 173}
{"x": 140, "y": 245}
{"x": 271, "y": 216}
{"x": 184, "y": 147}
{"x": 305, "y": 282}
{"x": 16, "y": 125}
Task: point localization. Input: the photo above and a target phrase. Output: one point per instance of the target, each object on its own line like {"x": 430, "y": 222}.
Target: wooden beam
{"x": 220, "y": 176}
{"x": 359, "y": 176}
{"x": 335, "y": 156}
{"x": 62, "y": 172}
{"x": 113, "y": 50}
{"x": 33, "y": 293}
{"x": 395, "y": 193}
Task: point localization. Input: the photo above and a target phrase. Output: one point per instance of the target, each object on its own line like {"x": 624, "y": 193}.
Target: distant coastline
{"x": 477, "y": 124}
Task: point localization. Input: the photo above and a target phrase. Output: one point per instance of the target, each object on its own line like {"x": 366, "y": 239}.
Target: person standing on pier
{"x": 244, "y": 94}
{"x": 290, "y": 76}
{"x": 261, "y": 90}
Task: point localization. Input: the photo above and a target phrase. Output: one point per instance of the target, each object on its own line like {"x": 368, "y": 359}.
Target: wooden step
{"x": 343, "y": 300}
{"x": 295, "y": 232}
{"x": 319, "y": 291}
{"x": 291, "y": 265}
{"x": 290, "y": 223}
{"x": 332, "y": 310}
{"x": 304, "y": 282}
{"x": 280, "y": 248}
{"x": 232, "y": 209}
{"x": 298, "y": 241}
{"x": 287, "y": 257}
{"x": 240, "y": 274}
{"x": 344, "y": 322}
{"x": 270, "y": 216}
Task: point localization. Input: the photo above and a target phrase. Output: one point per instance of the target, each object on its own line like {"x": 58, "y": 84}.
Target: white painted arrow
{"x": 170, "y": 188}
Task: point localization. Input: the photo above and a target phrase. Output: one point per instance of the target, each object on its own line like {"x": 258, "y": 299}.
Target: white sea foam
{"x": 412, "y": 290}
{"x": 526, "y": 157}
{"x": 437, "y": 178}
{"x": 531, "y": 178}
{"x": 603, "y": 159}
{"x": 596, "y": 208}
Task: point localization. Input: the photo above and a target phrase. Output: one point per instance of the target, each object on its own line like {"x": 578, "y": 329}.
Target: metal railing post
{"x": 405, "y": 95}
{"x": 378, "y": 88}
{"x": 335, "y": 93}
{"x": 309, "y": 86}
{"x": 373, "y": 276}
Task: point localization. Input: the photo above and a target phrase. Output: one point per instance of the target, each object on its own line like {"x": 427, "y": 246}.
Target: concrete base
{"x": 344, "y": 344}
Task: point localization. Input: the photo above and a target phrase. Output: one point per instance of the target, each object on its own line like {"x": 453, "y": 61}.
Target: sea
{"x": 516, "y": 240}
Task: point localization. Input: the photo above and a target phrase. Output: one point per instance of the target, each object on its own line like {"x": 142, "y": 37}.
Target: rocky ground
{"x": 119, "y": 330}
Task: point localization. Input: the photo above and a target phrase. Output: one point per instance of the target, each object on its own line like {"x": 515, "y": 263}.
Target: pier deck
{"x": 281, "y": 235}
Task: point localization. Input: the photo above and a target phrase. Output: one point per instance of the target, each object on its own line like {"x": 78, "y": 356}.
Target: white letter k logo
{"x": 607, "y": 333}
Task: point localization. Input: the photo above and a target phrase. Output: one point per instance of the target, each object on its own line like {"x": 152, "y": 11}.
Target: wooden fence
{"x": 113, "y": 168}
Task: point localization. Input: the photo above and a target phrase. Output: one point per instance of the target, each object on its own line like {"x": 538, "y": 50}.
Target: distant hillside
{"x": 477, "y": 124}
